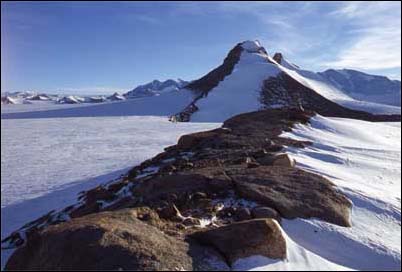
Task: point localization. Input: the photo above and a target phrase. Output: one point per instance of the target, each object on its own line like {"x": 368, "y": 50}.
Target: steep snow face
{"x": 364, "y": 160}
{"x": 156, "y": 87}
{"x": 240, "y": 91}
{"x": 362, "y": 86}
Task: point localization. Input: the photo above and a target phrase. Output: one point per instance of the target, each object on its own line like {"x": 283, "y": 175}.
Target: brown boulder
{"x": 169, "y": 212}
{"x": 179, "y": 184}
{"x": 246, "y": 238}
{"x": 265, "y": 212}
{"x": 242, "y": 214}
{"x": 283, "y": 160}
{"x": 190, "y": 141}
{"x": 104, "y": 241}
{"x": 293, "y": 193}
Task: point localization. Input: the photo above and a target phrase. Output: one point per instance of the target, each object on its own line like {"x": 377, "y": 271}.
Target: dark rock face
{"x": 286, "y": 91}
{"x": 244, "y": 239}
{"x": 278, "y": 57}
{"x": 105, "y": 241}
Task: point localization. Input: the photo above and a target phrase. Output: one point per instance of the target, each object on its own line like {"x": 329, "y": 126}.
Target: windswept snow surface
{"x": 298, "y": 259}
{"x": 45, "y": 163}
{"x": 364, "y": 160}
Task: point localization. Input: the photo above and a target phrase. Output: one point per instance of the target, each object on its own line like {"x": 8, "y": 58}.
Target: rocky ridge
{"x": 219, "y": 183}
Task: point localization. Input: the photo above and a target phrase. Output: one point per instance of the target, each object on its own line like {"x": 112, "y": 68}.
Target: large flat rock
{"x": 293, "y": 193}
{"x": 247, "y": 238}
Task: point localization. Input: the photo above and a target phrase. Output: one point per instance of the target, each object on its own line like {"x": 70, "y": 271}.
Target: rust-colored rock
{"x": 107, "y": 241}
{"x": 293, "y": 193}
{"x": 246, "y": 238}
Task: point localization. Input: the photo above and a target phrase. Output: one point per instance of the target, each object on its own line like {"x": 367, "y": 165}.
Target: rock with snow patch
{"x": 247, "y": 238}
{"x": 108, "y": 241}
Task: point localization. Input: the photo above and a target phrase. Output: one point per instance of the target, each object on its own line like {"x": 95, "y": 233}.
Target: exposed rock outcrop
{"x": 244, "y": 239}
{"x": 211, "y": 184}
{"x": 108, "y": 241}
{"x": 283, "y": 90}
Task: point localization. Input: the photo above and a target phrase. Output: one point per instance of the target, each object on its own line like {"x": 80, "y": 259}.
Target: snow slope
{"x": 298, "y": 259}
{"x": 364, "y": 160}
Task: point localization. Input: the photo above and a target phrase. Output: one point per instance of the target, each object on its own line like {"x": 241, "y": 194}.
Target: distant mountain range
{"x": 249, "y": 79}
{"x": 156, "y": 87}
{"x": 153, "y": 88}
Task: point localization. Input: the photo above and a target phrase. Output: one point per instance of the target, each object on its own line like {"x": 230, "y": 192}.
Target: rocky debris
{"x": 191, "y": 221}
{"x": 170, "y": 212}
{"x": 184, "y": 115}
{"x": 293, "y": 193}
{"x": 265, "y": 212}
{"x": 107, "y": 241}
{"x": 246, "y": 238}
{"x": 208, "y": 181}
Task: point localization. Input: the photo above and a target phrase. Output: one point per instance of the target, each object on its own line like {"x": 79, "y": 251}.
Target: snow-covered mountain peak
{"x": 156, "y": 87}
{"x": 253, "y": 47}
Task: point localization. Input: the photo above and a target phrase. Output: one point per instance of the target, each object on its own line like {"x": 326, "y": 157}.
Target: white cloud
{"x": 377, "y": 27}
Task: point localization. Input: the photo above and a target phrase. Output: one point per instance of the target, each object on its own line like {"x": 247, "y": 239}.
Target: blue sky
{"x": 102, "y": 47}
